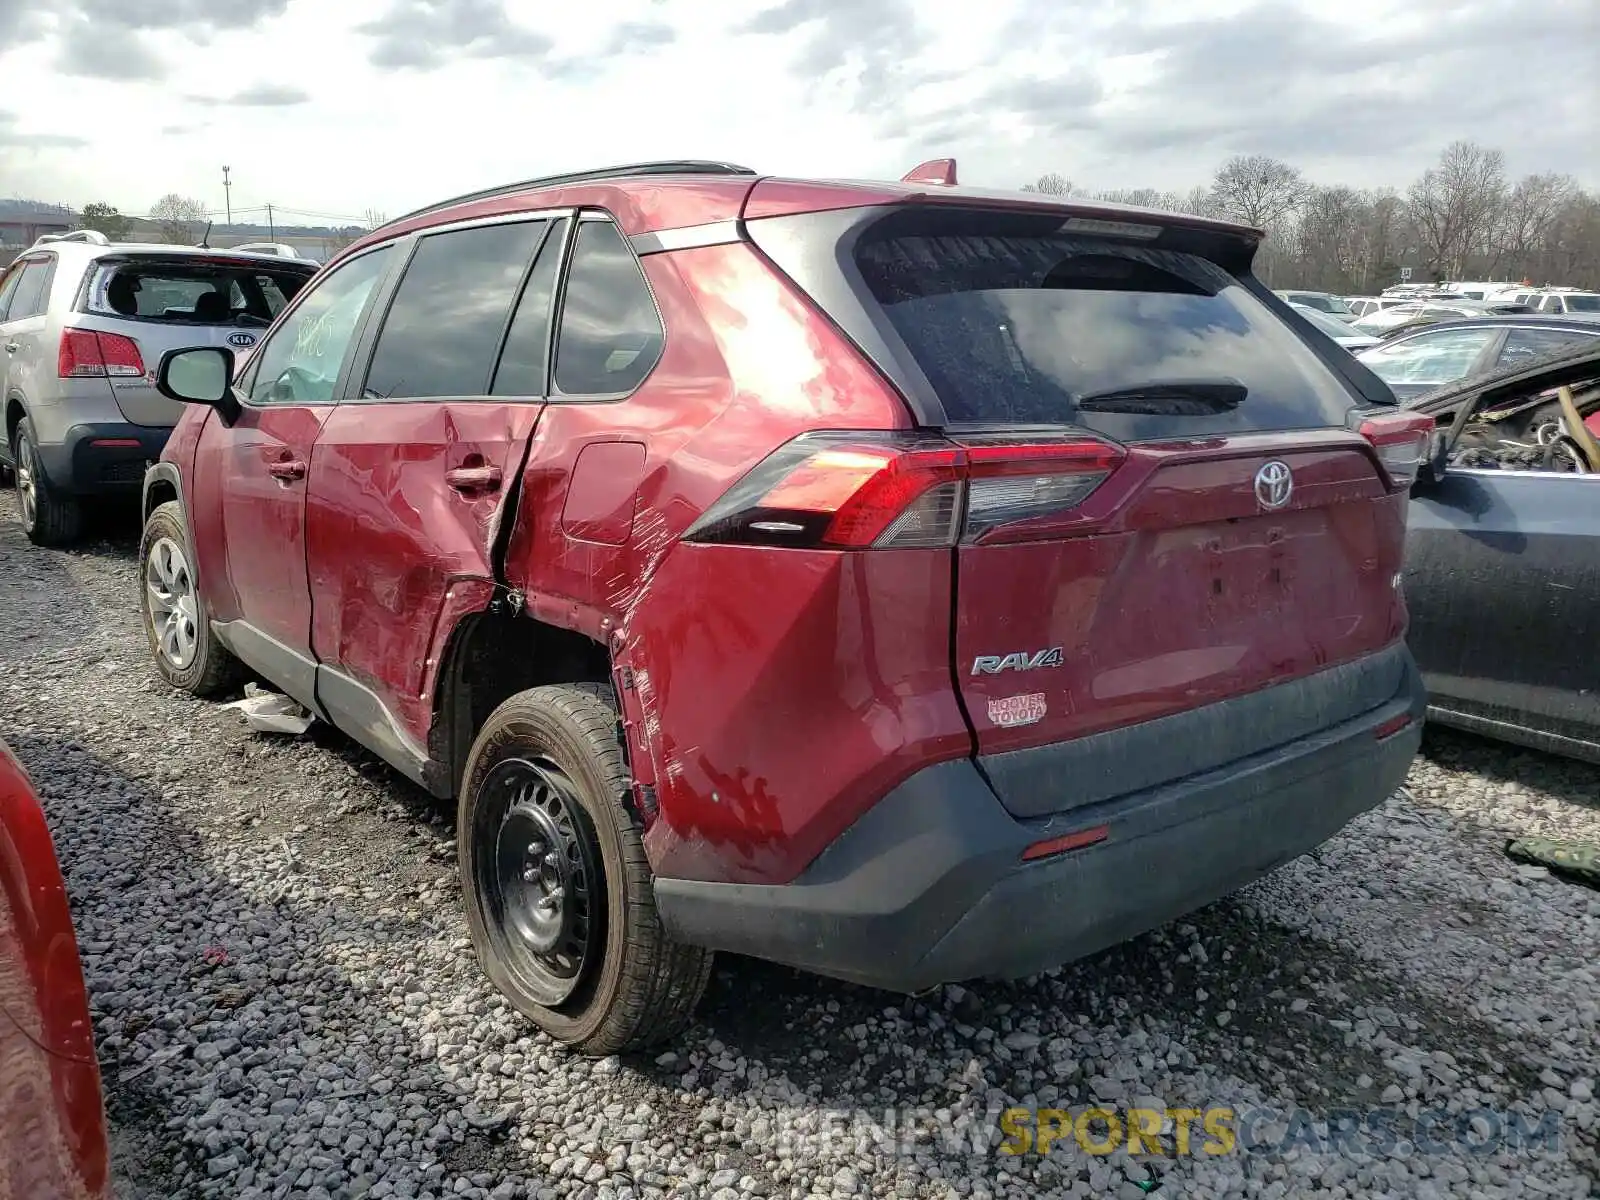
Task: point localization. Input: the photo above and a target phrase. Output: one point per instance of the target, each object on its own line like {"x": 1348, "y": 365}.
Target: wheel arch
{"x": 489, "y": 655}
{"x": 162, "y": 483}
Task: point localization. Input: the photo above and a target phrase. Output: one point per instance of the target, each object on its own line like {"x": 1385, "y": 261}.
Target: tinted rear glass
{"x": 193, "y": 293}
{"x": 1131, "y": 341}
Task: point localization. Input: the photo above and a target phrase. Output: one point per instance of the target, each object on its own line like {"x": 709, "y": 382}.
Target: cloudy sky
{"x": 339, "y": 106}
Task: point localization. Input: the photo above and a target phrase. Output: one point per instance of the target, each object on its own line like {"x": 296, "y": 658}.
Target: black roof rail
{"x": 687, "y": 166}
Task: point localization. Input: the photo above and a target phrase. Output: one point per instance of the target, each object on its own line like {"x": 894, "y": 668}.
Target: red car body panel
{"x": 52, "y": 1120}
{"x": 254, "y": 561}
{"x": 386, "y": 540}
{"x": 1177, "y": 530}
{"x": 748, "y": 364}
{"x": 746, "y": 663}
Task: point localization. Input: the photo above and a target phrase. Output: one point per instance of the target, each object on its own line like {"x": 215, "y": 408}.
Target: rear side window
{"x": 198, "y": 292}
{"x": 1583, "y": 304}
{"x": 611, "y": 335}
{"x": 28, "y": 300}
{"x": 523, "y": 361}
{"x": 449, "y": 314}
{"x": 1131, "y": 341}
{"x": 1524, "y": 346}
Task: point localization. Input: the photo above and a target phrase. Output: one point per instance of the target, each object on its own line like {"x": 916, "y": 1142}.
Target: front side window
{"x": 449, "y": 313}
{"x": 300, "y": 362}
{"x": 611, "y": 336}
{"x": 1429, "y": 359}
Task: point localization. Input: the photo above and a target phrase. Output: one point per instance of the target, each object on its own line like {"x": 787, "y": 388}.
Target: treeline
{"x": 1462, "y": 218}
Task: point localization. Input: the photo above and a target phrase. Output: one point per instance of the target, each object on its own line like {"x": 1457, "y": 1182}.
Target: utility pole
{"x": 272, "y": 229}
{"x": 227, "y": 192}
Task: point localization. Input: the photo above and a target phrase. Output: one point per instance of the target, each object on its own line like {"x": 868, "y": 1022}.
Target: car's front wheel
{"x": 186, "y": 650}
{"x": 48, "y": 517}
{"x": 559, "y": 895}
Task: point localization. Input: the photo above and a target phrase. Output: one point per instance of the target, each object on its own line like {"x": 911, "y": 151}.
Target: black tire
{"x": 48, "y": 517}
{"x": 633, "y": 985}
{"x": 211, "y": 668}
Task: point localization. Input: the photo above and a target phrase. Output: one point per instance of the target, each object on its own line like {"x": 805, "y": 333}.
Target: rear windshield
{"x": 193, "y": 293}
{"x": 1132, "y": 341}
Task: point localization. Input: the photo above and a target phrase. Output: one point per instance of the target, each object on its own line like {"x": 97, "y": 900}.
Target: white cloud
{"x": 412, "y": 100}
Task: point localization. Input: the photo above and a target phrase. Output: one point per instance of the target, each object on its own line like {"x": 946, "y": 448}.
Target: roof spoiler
{"x": 91, "y": 237}
{"x": 940, "y": 171}
{"x": 276, "y": 249}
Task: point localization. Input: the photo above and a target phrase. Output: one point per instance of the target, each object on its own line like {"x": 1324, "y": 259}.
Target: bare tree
{"x": 1454, "y": 204}
{"x": 1532, "y": 211}
{"x": 1051, "y": 184}
{"x": 180, "y": 218}
{"x": 1257, "y": 190}
{"x": 374, "y": 217}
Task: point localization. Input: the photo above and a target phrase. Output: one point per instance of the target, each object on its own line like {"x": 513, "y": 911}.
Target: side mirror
{"x": 200, "y": 375}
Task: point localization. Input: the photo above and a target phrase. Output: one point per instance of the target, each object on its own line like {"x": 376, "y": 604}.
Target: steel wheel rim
{"x": 170, "y": 598}
{"x": 27, "y": 482}
{"x": 537, "y": 877}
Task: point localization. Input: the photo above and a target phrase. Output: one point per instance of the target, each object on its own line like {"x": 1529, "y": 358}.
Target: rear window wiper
{"x": 1201, "y": 398}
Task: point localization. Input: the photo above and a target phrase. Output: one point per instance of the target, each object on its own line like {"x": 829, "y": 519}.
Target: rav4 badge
{"x": 993, "y": 664}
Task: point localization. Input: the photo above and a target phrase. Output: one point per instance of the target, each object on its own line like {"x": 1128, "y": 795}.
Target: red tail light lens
{"x": 857, "y": 491}
{"x": 1403, "y": 441}
{"x": 85, "y": 354}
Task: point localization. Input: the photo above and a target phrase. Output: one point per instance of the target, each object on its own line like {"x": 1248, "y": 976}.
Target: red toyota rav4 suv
{"x": 898, "y": 581}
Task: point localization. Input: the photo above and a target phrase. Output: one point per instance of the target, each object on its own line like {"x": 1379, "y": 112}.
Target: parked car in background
{"x": 1426, "y": 312}
{"x": 1419, "y": 361}
{"x": 1100, "y": 627}
{"x": 1503, "y": 555}
{"x": 83, "y": 323}
{"x": 1568, "y": 302}
{"x": 1365, "y": 306}
{"x": 52, "y": 1118}
{"x": 1325, "y": 302}
{"x": 1341, "y": 332}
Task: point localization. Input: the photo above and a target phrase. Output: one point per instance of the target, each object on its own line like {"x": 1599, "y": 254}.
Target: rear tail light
{"x": 1403, "y": 441}
{"x": 854, "y": 491}
{"x": 85, "y": 354}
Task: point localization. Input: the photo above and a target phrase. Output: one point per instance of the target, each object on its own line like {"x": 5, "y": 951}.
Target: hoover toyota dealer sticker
{"x": 1009, "y": 711}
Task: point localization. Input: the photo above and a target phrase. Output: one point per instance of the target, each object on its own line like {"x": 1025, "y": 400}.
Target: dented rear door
{"x": 414, "y": 473}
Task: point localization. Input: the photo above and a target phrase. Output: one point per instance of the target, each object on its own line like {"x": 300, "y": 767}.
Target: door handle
{"x": 473, "y": 479}
{"x": 287, "y": 469}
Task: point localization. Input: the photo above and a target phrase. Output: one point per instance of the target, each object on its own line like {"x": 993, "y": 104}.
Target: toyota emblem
{"x": 1274, "y": 484}
{"x": 241, "y": 340}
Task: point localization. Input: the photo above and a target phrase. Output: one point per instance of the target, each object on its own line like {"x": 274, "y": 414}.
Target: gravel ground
{"x": 286, "y": 1004}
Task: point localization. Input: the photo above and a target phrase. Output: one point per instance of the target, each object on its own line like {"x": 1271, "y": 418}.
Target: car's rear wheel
{"x": 48, "y": 517}
{"x": 186, "y": 650}
{"x": 559, "y": 894}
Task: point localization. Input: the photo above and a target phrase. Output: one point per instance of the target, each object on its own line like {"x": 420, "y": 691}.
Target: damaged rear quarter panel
{"x": 727, "y": 651}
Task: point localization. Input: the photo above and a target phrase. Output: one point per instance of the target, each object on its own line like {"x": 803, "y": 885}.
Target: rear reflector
{"x": 1392, "y": 726}
{"x": 1067, "y": 842}
{"x": 887, "y": 490}
{"x": 117, "y": 443}
{"x": 85, "y": 354}
{"x": 1403, "y": 441}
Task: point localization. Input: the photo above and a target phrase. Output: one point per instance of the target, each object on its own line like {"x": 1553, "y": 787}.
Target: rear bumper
{"x": 103, "y": 458}
{"x": 929, "y": 886}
